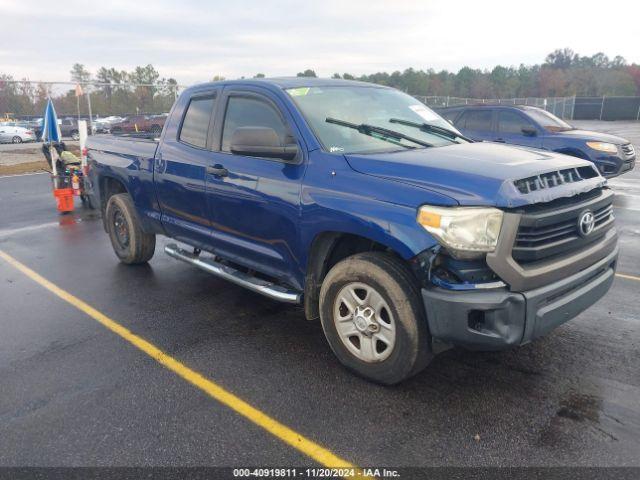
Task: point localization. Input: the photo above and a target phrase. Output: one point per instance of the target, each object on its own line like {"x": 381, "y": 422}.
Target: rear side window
{"x": 475, "y": 120}
{"x": 512, "y": 122}
{"x": 196, "y": 122}
{"x": 250, "y": 112}
{"x": 449, "y": 114}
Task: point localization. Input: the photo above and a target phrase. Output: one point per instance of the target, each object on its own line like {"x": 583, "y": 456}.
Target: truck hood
{"x": 476, "y": 173}
{"x": 588, "y": 135}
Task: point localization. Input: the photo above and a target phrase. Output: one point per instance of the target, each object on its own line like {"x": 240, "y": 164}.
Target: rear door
{"x": 180, "y": 170}
{"x": 254, "y": 206}
{"x": 515, "y": 128}
{"x": 477, "y": 123}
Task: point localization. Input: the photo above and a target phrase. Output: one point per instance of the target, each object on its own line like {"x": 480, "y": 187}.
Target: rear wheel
{"x": 373, "y": 318}
{"x": 130, "y": 243}
{"x": 16, "y": 139}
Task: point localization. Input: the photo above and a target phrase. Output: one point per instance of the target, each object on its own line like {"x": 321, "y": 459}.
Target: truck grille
{"x": 554, "y": 179}
{"x": 628, "y": 150}
{"x": 546, "y": 233}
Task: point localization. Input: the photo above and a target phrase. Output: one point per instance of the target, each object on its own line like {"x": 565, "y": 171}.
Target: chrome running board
{"x": 210, "y": 265}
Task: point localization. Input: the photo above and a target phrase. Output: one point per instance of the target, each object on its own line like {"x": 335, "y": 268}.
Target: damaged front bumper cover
{"x": 496, "y": 319}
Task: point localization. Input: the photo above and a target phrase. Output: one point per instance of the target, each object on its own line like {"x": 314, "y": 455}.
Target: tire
{"x": 130, "y": 243}
{"x": 75, "y": 135}
{"x": 401, "y": 311}
{"x": 16, "y": 139}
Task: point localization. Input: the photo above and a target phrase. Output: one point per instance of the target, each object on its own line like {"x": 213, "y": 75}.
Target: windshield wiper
{"x": 429, "y": 128}
{"x": 367, "y": 129}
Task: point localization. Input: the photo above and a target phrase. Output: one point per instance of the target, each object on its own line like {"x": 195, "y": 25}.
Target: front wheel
{"x": 130, "y": 243}
{"x": 373, "y": 318}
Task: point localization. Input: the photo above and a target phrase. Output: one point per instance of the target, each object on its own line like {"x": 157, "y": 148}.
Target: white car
{"x": 13, "y": 134}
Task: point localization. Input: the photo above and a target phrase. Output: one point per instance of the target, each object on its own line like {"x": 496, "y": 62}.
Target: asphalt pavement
{"x": 74, "y": 393}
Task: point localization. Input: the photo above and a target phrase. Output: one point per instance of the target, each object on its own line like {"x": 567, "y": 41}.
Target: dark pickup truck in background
{"x": 361, "y": 204}
{"x": 536, "y": 128}
{"x": 139, "y": 124}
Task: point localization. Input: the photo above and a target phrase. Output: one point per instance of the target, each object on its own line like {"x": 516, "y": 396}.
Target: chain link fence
{"x": 568, "y": 108}
{"x": 562, "y": 107}
{"x": 26, "y": 100}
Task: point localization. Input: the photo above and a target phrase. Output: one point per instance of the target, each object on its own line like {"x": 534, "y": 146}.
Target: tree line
{"x": 143, "y": 90}
{"x": 564, "y": 73}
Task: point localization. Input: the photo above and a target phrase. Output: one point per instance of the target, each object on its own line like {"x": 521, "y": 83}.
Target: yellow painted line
{"x": 628, "y": 277}
{"x": 289, "y": 436}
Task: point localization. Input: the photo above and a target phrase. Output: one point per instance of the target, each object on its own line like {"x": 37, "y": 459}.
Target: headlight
{"x": 466, "y": 231}
{"x": 603, "y": 147}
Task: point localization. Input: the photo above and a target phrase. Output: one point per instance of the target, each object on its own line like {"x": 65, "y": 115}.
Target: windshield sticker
{"x": 336, "y": 149}
{"x": 424, "y": 112}
{"x": 298, "y": 92}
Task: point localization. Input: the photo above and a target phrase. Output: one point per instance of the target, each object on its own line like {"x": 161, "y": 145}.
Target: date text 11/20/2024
{"x": 316, "y": 472}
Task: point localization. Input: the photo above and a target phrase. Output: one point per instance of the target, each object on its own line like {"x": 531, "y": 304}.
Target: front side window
{"x": 341, "y": 117}
{"x": 512, "y": 123}
{"x": 548, "y": 120}
{"x": 196, "y": 122}
{"x": 250, "y": 112}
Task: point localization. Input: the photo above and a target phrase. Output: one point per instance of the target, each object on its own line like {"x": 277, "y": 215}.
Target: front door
{"x": 254, "y": 202}
{"x": 516, "y": 129}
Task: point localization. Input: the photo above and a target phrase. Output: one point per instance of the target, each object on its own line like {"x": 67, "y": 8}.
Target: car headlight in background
{"x": 603, "y": 147}
{"x": 465, "y": 231}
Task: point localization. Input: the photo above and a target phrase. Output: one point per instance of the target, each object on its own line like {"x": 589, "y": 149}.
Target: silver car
{"x": 15, "y": 134}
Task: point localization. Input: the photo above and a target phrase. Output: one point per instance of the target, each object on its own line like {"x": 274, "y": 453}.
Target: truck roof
{"x": 290, "y": 82}
{"x": 490, "y": 105}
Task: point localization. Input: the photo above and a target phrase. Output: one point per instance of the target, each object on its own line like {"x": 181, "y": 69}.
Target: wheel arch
{"x": 110, "y": 185}
{"x": 330, "y": 247}
{"x": 573, "y": 152}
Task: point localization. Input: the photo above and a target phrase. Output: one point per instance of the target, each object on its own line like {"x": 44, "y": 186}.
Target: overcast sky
{"x": 194, "y": 40}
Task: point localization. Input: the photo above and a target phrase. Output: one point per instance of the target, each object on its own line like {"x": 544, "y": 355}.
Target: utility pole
{"x": 78, "y": 93}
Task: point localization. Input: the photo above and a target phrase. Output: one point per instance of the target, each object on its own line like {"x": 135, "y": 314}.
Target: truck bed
{"x": 139, "y": 145}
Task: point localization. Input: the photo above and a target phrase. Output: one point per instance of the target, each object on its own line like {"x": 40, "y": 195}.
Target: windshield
{"x": 548, "y": 121}
{"x": 369, "y": 107}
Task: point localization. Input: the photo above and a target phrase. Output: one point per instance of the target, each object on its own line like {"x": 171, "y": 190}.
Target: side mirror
{"x": 529, "y": 131}
{"x": 261, "y": 142}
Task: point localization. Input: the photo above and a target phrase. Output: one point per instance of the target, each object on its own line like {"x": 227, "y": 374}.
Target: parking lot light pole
{"x": 88, "y": 94}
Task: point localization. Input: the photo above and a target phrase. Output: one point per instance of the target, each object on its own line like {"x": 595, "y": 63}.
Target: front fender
{"x": 336, "y": 198}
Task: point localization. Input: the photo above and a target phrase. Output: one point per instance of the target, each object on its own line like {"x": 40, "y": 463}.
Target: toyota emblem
{"x": 586, "y": 222}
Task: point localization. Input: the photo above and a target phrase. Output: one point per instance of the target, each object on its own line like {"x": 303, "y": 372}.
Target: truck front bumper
{"x": 497, "y": 319}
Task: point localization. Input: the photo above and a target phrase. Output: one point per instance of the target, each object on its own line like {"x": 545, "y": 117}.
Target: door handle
{"x": 218, "y": 171}
{"x": 159, "y": 163}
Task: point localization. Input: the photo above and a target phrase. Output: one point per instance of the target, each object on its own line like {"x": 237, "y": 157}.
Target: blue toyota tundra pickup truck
{"x": 361, "y": 204}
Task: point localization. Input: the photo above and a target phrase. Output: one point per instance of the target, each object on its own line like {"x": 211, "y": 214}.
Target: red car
{"x": 140, "y": 123}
